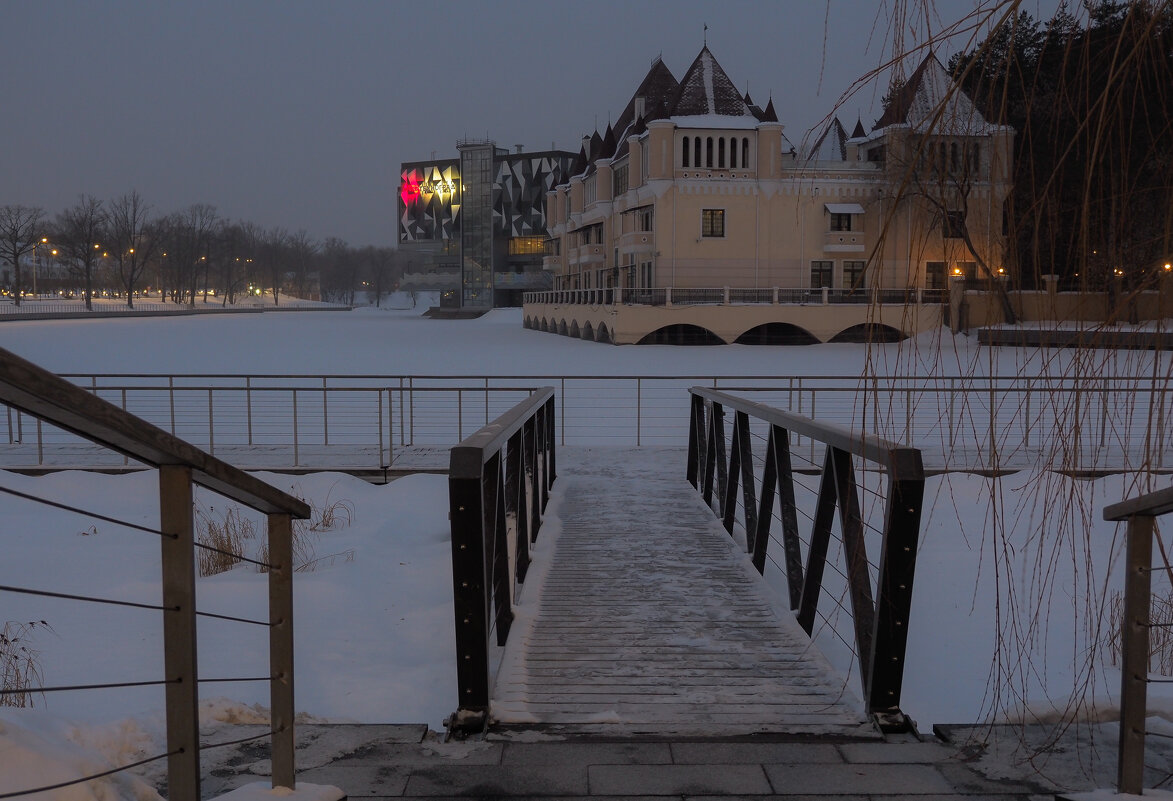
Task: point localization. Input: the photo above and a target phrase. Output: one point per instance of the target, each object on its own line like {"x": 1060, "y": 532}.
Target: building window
{"x": 744, "y": 152}
{"x": 644, "y": 218}
{"x": 712, "y": 222}
{"x": 733, "y": 154}
{"x": 934, "y": 275}
{"x": 876, "y": 155}
{"x": 684, "y": 153}
{"x": 526, "y": 246}
{"x": 645, "y": 274}
{"x": 954, "y": 225}
{"x": 619, "y": 180}
{"x": 822, "y": 274}
{"x": 709, "y": 152}
{"x": 853, "y": 274}
{"x": 696, "y": 151}
{"x": 840, "y": 222}
{"x": 721, "y": 152}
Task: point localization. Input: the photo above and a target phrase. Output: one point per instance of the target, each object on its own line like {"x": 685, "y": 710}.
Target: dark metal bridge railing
{"x": 498, "y": 485}
{"x": 880, "y": 594}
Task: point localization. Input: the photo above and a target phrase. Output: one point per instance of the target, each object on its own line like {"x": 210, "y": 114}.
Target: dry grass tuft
{"x": 20, "y": 663}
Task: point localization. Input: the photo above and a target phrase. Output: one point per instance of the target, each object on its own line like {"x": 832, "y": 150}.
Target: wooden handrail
{"x": 33, "y": 389}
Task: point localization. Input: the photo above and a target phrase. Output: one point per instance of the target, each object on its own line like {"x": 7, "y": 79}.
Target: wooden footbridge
{"x": 643, "y": 608}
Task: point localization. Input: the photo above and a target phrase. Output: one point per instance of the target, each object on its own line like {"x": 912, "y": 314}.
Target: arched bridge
{"x": 625, "y": 592}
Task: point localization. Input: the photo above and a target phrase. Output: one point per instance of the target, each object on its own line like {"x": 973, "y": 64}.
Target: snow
{"x": 261, "y": 791}
{"x": 1017, "y": 565}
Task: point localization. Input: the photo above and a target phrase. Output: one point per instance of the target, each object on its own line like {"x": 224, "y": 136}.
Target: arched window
{"x": 721, "y": 152}
{"x": 745, "y": 151}
{"x": 954, "y": 158}
{"x": 696, "y": 151}
{"x": 709, "y": 152}
{"x": 733, "y": 154}
{"x": 685, "y": 151}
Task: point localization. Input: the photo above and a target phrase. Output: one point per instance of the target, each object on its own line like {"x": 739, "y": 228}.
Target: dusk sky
{"x": 299, "y": 113}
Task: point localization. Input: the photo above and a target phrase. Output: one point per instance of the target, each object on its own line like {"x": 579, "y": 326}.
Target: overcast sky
{"x": 298, "y": 113}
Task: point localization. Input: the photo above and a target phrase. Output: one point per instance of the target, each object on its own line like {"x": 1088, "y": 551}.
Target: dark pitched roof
{"x": 596, "y": 147}
{"x": 769, "y": 115}
{"x": 580, "y": 162}
{"x": 707, "y": 89}
{"x": 607, "y": 149}
{"x": 859, "y": 131}
{"x": 901, "y": 101}
{"x": 930, "y": 100}
{"x": 831, "y": 144}
{"x": 657, "y": 89}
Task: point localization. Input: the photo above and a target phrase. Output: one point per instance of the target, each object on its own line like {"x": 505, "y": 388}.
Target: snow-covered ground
{"x": 1007, "y": 605}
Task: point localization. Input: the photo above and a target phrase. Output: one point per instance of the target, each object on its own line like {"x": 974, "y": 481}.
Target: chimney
{"x": 518, "y": 148}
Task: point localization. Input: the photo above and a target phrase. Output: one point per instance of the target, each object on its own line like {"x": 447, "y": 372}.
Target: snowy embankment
{"x": 1007, "y": 604}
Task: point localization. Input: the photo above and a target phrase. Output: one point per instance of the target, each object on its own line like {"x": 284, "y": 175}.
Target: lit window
{"x": 712, "y": 222}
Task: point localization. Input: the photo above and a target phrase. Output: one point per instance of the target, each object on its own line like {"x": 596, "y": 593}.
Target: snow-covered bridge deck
{"x": 641, "y": 615}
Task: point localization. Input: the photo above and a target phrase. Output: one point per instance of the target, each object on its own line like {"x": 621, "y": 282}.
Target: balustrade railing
{"x": 724, "y": 470}
{"x": 46, "y": 397}
{"x": 692, "y": 296}
{"x": 499, "y": 482}
{"x": 1136, "y": 625}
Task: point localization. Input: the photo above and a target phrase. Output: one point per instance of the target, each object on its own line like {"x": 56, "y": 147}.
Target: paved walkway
{"x": 640, "y": 616}
{"x": 409, "y": 762}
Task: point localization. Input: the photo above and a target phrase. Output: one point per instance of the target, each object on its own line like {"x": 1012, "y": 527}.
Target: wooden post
{"x": 179, "y": 632}
{"x": 1134, "y": 650}
{"x": 281, "y": 648}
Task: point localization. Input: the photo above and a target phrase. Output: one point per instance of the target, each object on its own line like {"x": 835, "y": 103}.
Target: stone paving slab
{"x": 899, "y": 780}
{"x": 677, "y": 780}
{"x": 371, "y": 762}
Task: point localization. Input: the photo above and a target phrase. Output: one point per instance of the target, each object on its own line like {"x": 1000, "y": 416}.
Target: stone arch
{"x": 869, "y": 332}
{"x": 562, "y": 327}
{"x": 573, "y": 332}
{"x": 682, "y": 334}
{"x": 777, "y": 334}
{"x": 603, "y": 335}
{"x": 545, "y": 325}
{"x": 588, "y": 332}
{"x": 527, "y": 323}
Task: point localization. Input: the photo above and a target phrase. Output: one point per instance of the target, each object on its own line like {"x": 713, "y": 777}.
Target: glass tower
{"x": 476, "y": 223}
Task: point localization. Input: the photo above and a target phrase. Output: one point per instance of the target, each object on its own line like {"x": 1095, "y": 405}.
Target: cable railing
{"x": 399, "y": 422}
{"x": 879, "y": 593}
{"x": 499, "y": 482}
{"x": 1141, "y": 514}
{"x": 49, "y": 398}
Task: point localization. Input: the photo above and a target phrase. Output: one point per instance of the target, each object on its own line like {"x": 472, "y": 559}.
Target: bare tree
{"x": 80, "y": 230}
{"x": 302, "y": 251}
{"x": 20, "y": 231}
{"x": 274, "y": 255}
{"x": 134, "y": 240}
{"x": 379, "y": 264}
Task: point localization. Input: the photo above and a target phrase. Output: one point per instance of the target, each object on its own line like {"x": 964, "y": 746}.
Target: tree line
{"x": 122, "y": 246}
{"x": 1092, "y": 106}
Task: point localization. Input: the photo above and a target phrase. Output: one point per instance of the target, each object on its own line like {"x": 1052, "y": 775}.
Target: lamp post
{"x": 44, "y": 241}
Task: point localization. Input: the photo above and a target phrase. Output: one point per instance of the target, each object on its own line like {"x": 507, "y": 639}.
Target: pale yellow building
{"x": 695, "y": 197}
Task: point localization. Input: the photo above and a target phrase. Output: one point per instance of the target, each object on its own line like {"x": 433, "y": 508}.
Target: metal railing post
{"x": 171, "y": 400}
{"x": 379, "y": 418}
{"x": 211, "y": 423}
{"x": 281, "y": 648}
{"x": 296, "y": 458}
{"x": 459, "y": 414}
{"x": 638, "y": 409}
{"x": 41, "y": 444}
{"x": 248, "y": 404}
{"x": 325, "y": 414}
{"x": 179, "y": 632}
